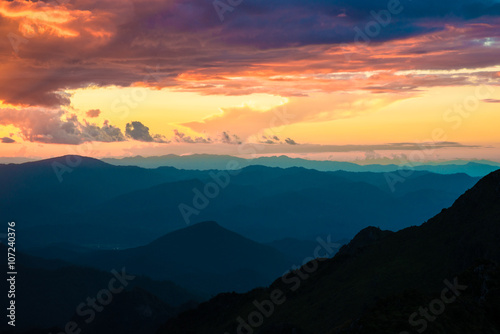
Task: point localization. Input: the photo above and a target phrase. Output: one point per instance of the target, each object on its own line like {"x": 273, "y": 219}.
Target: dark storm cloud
{"x": 138, "y": 131}
{"x": 7, "y": 140}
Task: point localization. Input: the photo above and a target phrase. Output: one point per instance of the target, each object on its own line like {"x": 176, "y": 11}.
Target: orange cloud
{"x": 247, "y": 122}
{"x": 39, "y": 18}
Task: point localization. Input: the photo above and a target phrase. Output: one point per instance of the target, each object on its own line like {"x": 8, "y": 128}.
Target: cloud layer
{"x": 284, "y": 47}
{"x": 57, "y": 127}
{"x": 388, "y": 48}
{"x": 7, "y": 140}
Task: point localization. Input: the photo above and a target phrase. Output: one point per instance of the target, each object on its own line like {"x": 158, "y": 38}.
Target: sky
{"x": 322, "y": 79}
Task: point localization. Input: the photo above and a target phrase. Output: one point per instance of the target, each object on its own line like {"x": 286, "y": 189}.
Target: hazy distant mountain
{"x": 207, "y": 161}
{"x": 14, "y": 160}
{"x": 204, "y": 257}
{"x": 102, "y": 206}
{"x": 40, "y": 190}
{"x": 373, "y": 277}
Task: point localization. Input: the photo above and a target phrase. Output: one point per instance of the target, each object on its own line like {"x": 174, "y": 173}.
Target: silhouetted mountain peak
{"x": 207, "y": 225}
{"x": 71, "y": 161}
{"x": 226, "y": 260}
{"x": 481, "y": 203}
{"x": 206, "y": 228}
{"x": 364, "y": 238}
{"x": 488, "y": 188}
{"x": 206, "y": 232}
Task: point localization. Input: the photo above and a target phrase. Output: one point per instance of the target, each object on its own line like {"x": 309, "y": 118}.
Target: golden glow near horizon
{"x": 414, "y": 119}
{"x": 162, "y": 110}
{"x": 411, "y": 119}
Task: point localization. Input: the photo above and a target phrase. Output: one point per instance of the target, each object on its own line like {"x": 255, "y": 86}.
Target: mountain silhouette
{"x": 208, "y": 161}
{"x": 204, "y": 257}
{"x": 475, "y": 310}
{"x": 37, "y": 192}
{"x": 99, "y": 205}
{"x": 375, "y": 267}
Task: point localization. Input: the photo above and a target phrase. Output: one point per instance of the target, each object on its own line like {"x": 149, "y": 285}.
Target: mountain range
{"x": 206, "y": 162}
{"x": 381, "y": 282}
{"x": 97, "y": 205}
{"x": 439, "y": 274}
{"x": 204, "y": 257}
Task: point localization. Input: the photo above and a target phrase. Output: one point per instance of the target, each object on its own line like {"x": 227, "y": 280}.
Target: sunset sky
{"x": 327, "y": 79}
